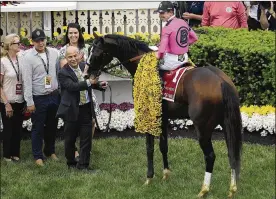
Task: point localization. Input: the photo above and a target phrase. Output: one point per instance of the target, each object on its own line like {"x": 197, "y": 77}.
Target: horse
{"x": 205, "y": 94}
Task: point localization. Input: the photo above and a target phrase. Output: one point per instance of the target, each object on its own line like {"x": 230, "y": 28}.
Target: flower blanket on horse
{"x": 147, "y": 96}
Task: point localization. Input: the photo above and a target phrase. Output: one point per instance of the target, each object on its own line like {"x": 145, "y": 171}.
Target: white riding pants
{"x": 171, "y": 61}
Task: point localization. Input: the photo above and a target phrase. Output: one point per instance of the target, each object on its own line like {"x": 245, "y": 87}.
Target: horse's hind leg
{"x": 205, "y": 120}
{"x": 163, "y": 144}
{"x": 204, "y": 133}
{"x": 209, "y": 156}
{"x": 150, "y": 151}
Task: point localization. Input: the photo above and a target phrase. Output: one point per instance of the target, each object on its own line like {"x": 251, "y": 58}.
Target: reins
{"x": 110, "y": 107}
{"x": 125, "y": 62}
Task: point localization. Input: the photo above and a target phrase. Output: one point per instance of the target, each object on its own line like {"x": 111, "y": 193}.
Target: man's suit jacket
{"x": 70, "y": 93}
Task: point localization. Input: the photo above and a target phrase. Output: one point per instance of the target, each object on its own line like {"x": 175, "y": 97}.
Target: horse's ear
{"x": 95, "y": 35}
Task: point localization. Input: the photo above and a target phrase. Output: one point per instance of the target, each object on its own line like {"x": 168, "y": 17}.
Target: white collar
{"x": 75, "y": 69}
{"x": 36, "y": 53}
{"x": 171, "y": 18}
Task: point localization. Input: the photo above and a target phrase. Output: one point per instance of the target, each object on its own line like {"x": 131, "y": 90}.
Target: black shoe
{"x": 88, "y": 170}
{"x": 77, "y": 158}
{"x": 73, "y": 166}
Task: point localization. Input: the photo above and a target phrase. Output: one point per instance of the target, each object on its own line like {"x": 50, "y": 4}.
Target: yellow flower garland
{"x": 147, "y": 94}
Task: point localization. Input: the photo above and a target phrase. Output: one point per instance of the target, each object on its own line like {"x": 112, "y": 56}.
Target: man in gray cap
{"x": 41, "y": 95}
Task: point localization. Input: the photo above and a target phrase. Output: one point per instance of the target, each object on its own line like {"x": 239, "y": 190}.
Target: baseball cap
{"x": 38, "y": 34}
{"x": 165, "y": 6}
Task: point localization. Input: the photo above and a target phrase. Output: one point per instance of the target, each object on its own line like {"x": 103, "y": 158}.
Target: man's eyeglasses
{"x": 18, "y": 43}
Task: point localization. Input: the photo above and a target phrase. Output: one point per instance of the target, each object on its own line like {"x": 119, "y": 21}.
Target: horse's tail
{"x": 232, "y": 126}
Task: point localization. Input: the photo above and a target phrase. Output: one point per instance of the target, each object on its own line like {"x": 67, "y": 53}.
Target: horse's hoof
{"x": 232, "y": 191}
{"x": 166, "y": 174}
{"x": 204, "y": 190}
{"x": 148, "y": 181}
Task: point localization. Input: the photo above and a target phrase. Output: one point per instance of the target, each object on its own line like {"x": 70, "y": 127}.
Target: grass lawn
{"x": 122, "y": 165}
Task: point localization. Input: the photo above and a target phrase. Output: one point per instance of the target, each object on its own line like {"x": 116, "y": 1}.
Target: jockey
{"x": 175, "y": 39}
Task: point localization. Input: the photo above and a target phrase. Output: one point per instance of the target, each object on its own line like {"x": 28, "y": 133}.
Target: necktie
{"x": 82, "y": 93}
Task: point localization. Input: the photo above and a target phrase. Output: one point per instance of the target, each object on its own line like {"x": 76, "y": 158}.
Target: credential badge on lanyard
{"x": 47, "y": 78}
{"x": 18, "y": 86}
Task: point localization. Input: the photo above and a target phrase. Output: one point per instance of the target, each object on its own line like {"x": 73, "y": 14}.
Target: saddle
{"x": 170, "y": 80}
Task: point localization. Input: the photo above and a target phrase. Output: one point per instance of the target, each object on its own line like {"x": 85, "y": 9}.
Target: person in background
{"x": 230, "y": 14}
{"x": 261, "y": 15}
{"x": 12, "y": 100}
{"x": 42, "y": 96}
{"x": 75, "y": 108}
{"x": 73, "y": 37}
{"x": 175, "y": 39}
{"x": 271, "y": 16}
{"x": 194, "y": 12}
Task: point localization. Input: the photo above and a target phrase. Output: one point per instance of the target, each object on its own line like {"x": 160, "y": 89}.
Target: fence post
{"x": 19, "y": 23}
{"x": 137, "y": 21}
{"x": 101, "y": 21}
{"x": 125, "y": 23}
{"x": 88, "y": 21}
{"x": 149, "y": 22}
{"x": 47, "y": 23}
{"x": 64, "y": 18}
{"x": 77, "y": 17}
{"x": 52, "y": 23}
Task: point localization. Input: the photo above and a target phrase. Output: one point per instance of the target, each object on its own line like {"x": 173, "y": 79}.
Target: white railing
{"x": 104, "y": 21}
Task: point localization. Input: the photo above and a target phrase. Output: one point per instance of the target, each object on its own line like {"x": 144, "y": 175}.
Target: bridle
{"x": 104, "y": 56}
{"x": 97, "y": 73}
{"x": 107, "y": 55}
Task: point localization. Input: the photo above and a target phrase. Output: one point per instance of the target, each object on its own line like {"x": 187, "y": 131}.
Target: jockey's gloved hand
{"x": 103, "y": 85}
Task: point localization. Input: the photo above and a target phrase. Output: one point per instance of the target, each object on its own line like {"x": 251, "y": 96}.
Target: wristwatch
{"x": 6, "y": 103}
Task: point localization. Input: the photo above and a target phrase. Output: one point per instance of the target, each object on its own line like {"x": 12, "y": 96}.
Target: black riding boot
{"x": 161, "y": 74}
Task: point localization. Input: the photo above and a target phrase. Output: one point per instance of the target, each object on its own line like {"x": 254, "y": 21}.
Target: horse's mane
{"x": 127, "y": 45}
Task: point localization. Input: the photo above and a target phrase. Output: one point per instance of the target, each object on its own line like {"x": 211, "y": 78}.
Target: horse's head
{"x": 105, "y": 48}
{"x": 99, "y": 56}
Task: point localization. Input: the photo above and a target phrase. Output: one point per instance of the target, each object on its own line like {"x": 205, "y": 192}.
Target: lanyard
{"x": 17, "y": 72}
{"x": 46, "y": 67}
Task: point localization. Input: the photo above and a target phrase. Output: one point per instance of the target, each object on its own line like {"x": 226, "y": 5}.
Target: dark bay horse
{"x": 205, "y": 94}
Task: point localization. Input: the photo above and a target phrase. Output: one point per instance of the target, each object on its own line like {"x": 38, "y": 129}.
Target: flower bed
{"x": 254, "y": 119}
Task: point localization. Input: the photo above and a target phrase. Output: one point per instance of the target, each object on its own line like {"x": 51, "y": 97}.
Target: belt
{"x": 13, "y": 102}
{"x": 55, "y": 92}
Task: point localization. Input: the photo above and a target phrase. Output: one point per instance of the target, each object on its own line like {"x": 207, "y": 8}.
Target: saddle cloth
{"x": 171, "y": 80}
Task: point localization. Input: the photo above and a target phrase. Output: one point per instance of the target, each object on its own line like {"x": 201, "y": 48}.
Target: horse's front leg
{"x": 150, "y": 151}
{"x": 164, "y": 150}
{"x": 163, "y": 144}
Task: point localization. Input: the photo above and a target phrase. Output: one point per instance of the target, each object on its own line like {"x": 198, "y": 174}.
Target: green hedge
{"x": 247, "y": 57}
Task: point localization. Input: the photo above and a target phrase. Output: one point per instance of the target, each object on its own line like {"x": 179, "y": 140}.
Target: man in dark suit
{"x": 75, "y": 108}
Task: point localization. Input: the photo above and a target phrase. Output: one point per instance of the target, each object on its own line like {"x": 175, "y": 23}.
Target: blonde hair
{"x": 5, "y": 46}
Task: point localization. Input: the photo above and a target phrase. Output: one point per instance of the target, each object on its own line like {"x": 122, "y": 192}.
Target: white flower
{"x": 189, "y": 122}
{"x": 218, "y": 127}
{"x": 121, "y": 120}
{"x": 24, "y": 125}
{"x": 264, "y": 133}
